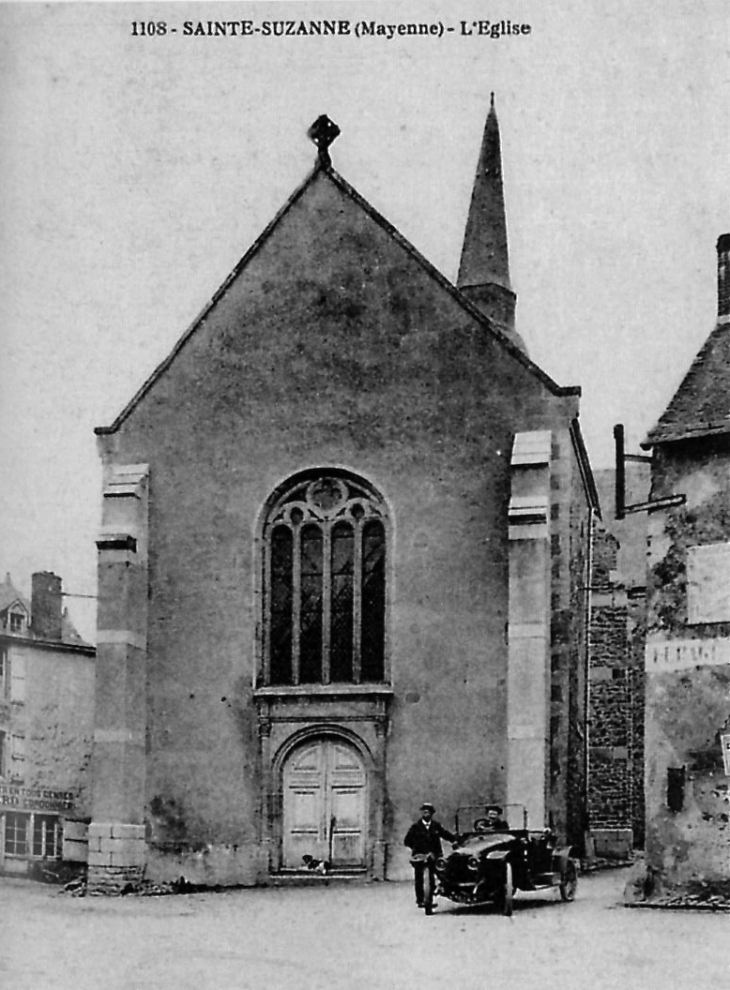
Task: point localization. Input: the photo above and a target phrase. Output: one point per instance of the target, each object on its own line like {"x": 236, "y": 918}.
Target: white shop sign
{"x": 684, "y": 654}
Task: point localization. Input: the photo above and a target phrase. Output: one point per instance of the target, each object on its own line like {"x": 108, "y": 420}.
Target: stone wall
{"x": 57, "y": 720}
{"x": 571, "y": 540}
{"x": 616, "y": 696}
{"x": 688, "y": 674}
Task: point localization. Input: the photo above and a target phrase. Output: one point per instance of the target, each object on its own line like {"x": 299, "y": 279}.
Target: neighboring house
{"x": 343, "y": 560}
{"x": 688, "y": 641}
{"x": 616, "y": 670}
{"x": 46, "y": 728}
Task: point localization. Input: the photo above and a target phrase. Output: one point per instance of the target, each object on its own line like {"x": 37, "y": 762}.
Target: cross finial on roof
{"x": 323, "y": 132}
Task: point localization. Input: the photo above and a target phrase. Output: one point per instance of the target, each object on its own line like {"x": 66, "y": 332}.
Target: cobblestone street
{"x": 369, "y": 937}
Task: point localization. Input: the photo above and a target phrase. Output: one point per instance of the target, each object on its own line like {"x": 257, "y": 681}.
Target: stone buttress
{"x": 117, "y": 848}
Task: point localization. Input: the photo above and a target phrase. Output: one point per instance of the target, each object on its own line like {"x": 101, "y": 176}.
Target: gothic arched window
{"x": 324, "y": 543}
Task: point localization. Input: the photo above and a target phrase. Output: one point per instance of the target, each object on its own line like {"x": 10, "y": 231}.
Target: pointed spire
{"x": 484, "y": 268}
{"x": 484, "y": 257}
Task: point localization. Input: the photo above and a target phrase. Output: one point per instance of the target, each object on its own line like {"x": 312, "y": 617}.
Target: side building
{"x": 46, "y": 729}
{"x": 616, "y": 663}
{"x": 343, "y": 560}
{"x": 688, "y": 626}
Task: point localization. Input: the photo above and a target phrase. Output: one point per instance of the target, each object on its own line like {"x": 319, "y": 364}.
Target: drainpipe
{"x": 587, "y": 687}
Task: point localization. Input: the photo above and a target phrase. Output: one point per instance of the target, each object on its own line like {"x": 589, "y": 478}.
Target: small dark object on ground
{"x": 316, "y": 865}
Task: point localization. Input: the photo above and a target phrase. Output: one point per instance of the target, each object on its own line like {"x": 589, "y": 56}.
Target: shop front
{"x": 31, "y": 826}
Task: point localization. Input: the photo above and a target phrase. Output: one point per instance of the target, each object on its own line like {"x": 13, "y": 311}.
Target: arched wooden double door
{"x": 325, "y": 802}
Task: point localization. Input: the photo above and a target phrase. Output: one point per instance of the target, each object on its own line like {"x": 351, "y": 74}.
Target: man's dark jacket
{"x": 422, "y": 838}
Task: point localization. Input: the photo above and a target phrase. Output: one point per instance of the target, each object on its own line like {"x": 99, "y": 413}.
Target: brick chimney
{"x": 723, "y": 278}
{"x": 45, "y": 606}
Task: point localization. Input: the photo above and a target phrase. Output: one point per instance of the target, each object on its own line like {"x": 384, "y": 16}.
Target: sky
{"x": 137, "y": 170}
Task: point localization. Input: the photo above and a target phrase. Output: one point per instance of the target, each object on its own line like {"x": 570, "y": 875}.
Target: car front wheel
{"x": 507, "y": 891}
{"x": 428, "y": 885}
{"x": 568, "y": 880}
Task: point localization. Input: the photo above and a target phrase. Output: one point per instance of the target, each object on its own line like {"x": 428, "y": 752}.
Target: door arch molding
{"x": 351, "y": 845}
{"x": 285, "y": 724}
{"x": 313, "y": 733}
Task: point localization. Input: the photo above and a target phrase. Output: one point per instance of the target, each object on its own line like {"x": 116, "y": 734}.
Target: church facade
{"x": 343, "y": 560}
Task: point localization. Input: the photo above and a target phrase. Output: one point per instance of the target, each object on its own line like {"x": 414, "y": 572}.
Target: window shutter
{"x": 17, "y": 757}
{"x": 18, "y": 746}
{"x": 17, "y": 679}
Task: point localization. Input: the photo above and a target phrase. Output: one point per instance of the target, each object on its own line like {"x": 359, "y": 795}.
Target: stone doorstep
{"x": 304, "y": 878}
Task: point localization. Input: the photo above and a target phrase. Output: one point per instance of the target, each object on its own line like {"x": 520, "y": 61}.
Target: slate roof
{"x": 701, "y": 404}
{"x": 69, "y": 632}
{"x": 9, "y": 595}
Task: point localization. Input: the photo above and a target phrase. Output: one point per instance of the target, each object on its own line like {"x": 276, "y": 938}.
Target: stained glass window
{"x": 373, "y": 602}
{"x": 311, "y": 605}
{"x": 281, "y": 599}
{"x": 325, "y": 583}
{"x": 343, "y": 570}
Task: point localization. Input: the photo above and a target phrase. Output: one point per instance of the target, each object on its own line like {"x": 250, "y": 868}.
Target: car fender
{"x": 561, "y": 855}
{"x": 498, "y": 854}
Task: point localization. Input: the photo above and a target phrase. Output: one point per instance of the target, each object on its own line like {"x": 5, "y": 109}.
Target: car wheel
{"x": 507, "y": 891}
{"x": 428, "y": 889}
{"x": 568, "y": 880}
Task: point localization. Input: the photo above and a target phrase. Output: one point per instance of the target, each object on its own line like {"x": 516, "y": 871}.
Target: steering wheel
{"x": 482, "y": 825}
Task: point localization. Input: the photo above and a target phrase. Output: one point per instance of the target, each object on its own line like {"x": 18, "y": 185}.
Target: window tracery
{"x": 325, "y": 583}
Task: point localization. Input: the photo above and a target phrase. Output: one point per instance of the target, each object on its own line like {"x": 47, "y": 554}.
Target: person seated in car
{"x": 493, "y": 822}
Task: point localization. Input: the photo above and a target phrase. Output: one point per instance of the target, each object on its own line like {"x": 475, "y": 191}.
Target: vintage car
{"x": 497, "y": 854}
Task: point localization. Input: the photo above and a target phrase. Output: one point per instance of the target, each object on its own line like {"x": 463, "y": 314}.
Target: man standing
{"x": 424, "y": 840}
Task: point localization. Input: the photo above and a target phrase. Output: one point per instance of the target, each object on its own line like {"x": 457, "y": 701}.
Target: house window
{"x": 325, "y": 541}
{"x": 4, "y": 672}
{"x": 32, "y": 835}
{"x": 3, "y": 752}
{"x": 45, "y": 831}
{"x": 16, "y": 834}
{"x": 16, "y": 622}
